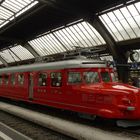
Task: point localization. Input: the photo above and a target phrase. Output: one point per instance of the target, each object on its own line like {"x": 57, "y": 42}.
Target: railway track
{"x": 30, "y": 129}
{"x": 106, "y": 125}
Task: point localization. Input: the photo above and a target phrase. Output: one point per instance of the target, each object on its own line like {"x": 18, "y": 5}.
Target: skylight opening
{"x": 10, "y": 9}
{"x": 22, "y": 52}
{"x": 47, "y": 45}
{"x": 123, "y": 23}
{"x": 1, "y": 63}
{"x": 9, "y": 56}
{"x": 68, "y": 38}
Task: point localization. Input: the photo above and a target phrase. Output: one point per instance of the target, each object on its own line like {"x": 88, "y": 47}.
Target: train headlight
{"x": 127, "y": 105}
{"x": 126, "y": 101}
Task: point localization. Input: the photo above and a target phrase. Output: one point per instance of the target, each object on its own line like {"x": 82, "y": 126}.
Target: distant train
{"x": 83, "y": 86}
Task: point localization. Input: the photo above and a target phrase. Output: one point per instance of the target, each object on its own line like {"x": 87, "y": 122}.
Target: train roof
{"x": 56, "y": 65}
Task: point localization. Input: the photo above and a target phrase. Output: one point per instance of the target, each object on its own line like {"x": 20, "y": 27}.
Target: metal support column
{"x": 97, "y": 24}
{"x": 119, "y": 57}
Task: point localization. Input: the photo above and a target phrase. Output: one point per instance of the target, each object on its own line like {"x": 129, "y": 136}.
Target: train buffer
{"x": 7, "y": 133}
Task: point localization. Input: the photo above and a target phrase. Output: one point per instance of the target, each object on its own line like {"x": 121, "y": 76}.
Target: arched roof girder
{"x": 97, "y": 24}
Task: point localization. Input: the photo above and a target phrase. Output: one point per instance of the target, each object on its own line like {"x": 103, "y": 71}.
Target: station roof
{"x": 81, "y": 34}
{"x": 123, "y": 23}
{"x": 30, "y": 29}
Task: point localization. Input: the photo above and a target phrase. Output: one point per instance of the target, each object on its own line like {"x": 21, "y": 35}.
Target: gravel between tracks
{"x": 30, "y": 129}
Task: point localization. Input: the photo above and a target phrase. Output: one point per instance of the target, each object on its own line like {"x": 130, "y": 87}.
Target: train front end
{"x": 127, "y": 101}
{"x": 124, "y": 100}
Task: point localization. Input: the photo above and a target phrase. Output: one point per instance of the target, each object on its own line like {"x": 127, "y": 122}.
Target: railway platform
{"x": 72, "y": 129}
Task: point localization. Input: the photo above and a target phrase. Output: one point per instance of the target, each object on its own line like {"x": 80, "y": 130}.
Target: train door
{"x": 41, "y": 86}
{"x": 31, "y": 86}
{"x": 74, "y": 82}
{"x": 56, "y": 87}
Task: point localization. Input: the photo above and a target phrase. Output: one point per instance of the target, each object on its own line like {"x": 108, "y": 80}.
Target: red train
{"x": 84, "y": 86}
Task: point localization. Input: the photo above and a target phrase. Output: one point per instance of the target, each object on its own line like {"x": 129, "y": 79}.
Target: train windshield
{"x": 105, "y": 77}
{"x": 114, "y": 77}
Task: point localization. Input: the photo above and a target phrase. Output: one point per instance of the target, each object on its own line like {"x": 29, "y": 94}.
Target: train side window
{"x": 91, "y": 77}
{"x": 42, "y": 79}
{"x": 74, "y": 77}
{"x": 105, "y": 76}
{"x": 20, "y": 79}
{"x": 6, "y": 79}
{"x": 13, "y": 79}
{"x": 0, "y": 80}
{"x": 56, "y": 79}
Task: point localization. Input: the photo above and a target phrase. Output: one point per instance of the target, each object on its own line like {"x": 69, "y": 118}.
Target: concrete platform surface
{"x": 7, "y": 133}
{"x": 73, "y": 129}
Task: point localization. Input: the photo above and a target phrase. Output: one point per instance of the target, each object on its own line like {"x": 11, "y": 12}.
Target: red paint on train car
{"x": 90, "y": 90}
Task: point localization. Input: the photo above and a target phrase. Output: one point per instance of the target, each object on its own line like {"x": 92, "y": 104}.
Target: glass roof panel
{"x": 137, "y": 6}
{"x": 9, "y": 9}
{"x": 81, "y": 35}
{"x": 94, "y": 34}
{"x": 22, "y": 52}
{"x": 67, "y": 38}
{"x": 123, "y": 23}
{"x": 1, "y": 63}
{"x": 9, "y": 56}
{"x": 47, "y": 45}
{"x": 108, "y": 27}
